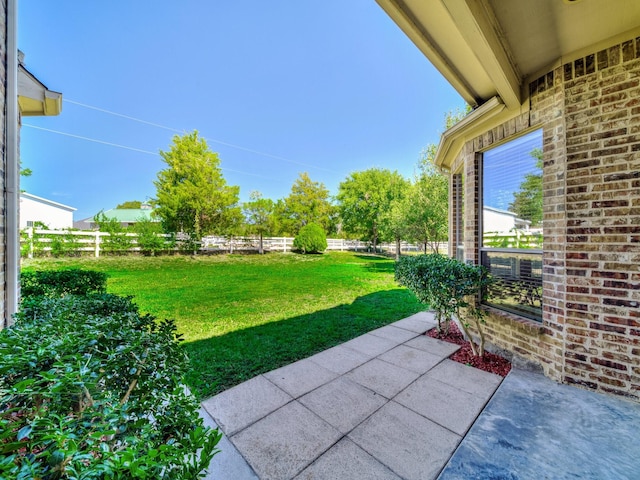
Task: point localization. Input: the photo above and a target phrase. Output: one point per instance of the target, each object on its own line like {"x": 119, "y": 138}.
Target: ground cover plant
{"x": 90, "y": 388}
{"x": 242, "y": 315}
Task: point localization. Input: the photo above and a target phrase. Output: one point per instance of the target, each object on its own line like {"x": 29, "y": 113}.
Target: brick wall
{"x": 589, "y": 110}
{"x": 3, "y": 156}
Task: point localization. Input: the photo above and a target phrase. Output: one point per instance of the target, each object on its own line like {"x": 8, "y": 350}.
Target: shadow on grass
{"x": 219, "y": 363}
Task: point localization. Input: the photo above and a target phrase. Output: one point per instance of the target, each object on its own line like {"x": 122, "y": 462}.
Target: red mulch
{"x": 490, "y": 362}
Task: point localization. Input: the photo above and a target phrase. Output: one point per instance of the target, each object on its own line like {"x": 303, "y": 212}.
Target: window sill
{"x": 526, "y": 324}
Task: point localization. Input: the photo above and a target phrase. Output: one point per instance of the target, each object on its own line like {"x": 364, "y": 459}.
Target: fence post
{"x": 97, "y": 243}
{"x": 31, "y": 242}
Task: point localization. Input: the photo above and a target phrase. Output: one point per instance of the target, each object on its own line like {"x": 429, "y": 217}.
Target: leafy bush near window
{"x": 449, "y": 287}
{"x": 311, "y": 239}
{"x": 92, "y": 389}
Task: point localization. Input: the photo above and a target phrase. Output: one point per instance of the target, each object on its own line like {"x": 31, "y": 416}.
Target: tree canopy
{"x": 259, "y": 216}
{"x": 365, "y": 197}
{"x": 192, "y": 196}
{"x": 527, "y": 201}
{"x": 135, "y": 204}
{"x": 308, "y": 202}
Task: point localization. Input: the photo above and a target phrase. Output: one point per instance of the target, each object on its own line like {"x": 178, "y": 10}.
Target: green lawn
{"x": 242, "y": 315}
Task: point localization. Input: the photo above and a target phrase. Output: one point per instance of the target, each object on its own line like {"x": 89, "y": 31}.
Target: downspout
{"x": 12, "y": 170}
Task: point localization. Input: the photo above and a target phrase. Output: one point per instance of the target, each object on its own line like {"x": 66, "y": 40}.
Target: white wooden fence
{"x": 90, "y": 242}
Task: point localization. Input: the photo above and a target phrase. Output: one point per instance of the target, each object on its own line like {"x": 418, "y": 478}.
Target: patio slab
{"x": 340, "y": 359}
{"x": 382, "y": 377}
{"x": 285, "y": 442}
{"x": 418, "y": 323}
{"x": 240, "y": 406}
{"x": 370, "y": 345}
{"x": 342, "y": 403}
{"x": 300, "y": 377}
{"x": 466, "y": 378}
{"x": 446, "y": 405}
{"x": 433, "y": 346}
{"x": 412, "y": 446}
{"x": 345, "y": 460}
{"x": 410, "y": 358}
{"x": 394, "y": 333}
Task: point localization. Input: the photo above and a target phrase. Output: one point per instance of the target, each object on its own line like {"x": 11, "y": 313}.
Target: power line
{"x": 211, "y": 140}
{"x": 102, "y": 142}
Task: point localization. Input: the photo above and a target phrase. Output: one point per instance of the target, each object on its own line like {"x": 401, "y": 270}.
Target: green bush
{"x": 92, "y": 389}
{"x": 58, "y": 283}
{"x": 449, "y": 287}
{"x": 311, "y": 239}
{"x": 149, "y": 238}
{"x": 118, "y": 241}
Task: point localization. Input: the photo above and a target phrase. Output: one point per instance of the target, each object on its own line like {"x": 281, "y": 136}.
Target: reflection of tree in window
{"x": 527, "y": 201}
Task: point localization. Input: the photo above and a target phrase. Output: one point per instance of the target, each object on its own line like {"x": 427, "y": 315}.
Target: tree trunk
{"x": 260, "y": 249}
{"x": 398, "y": 249}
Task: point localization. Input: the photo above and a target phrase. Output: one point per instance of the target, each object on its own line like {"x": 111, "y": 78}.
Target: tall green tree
{"x": 259, "y": 216}
{"x": 527, "y": 201}
{"x": 394, "y": 221}
{"x": 365, "y": 197}
{"x": 308, "y": 202}
{"x": 192, "y": 196}
{"x": 427, "y": 218}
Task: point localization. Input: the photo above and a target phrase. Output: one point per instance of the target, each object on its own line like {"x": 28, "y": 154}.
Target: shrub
{"x": 149, "y": 237}
{"x": 311, "y": 239}
{"x": 449, "y": 287}
{"x": 118, "y": 241}
{"x": 58, "y": 283}
{"x": 90, "y": 388}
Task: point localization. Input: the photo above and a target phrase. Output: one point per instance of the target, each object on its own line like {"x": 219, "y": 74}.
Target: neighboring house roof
{"x": 130, "y": 215}
{"x": 45, "y": 201}
{"x": 490, "y": 50}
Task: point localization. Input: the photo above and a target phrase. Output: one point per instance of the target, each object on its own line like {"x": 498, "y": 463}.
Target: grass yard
{"x": 242, "y": 315}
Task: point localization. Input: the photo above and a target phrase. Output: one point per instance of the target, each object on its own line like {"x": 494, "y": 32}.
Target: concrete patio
{"x": 391, "y": 405}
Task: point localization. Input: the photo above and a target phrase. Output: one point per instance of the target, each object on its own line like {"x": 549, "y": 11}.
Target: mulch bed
{"x": 490, "y": 362}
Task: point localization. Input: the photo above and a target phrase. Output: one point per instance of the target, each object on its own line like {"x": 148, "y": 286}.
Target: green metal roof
{"x": 130, "y": 215}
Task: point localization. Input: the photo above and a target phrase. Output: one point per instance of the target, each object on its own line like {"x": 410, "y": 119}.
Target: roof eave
{"x": 34, "y": 98}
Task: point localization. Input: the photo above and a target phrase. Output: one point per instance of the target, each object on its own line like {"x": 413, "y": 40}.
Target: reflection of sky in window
{"x": 505, "y": 167}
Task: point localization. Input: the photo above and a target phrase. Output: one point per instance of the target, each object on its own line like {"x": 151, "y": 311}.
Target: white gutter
{"x": 12, "y": 170}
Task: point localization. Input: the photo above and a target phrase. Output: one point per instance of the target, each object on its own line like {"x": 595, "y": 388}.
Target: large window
{"x": 512, "y": 226}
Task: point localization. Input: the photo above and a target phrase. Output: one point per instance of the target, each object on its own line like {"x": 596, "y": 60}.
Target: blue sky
{"x": 277, "y": 88}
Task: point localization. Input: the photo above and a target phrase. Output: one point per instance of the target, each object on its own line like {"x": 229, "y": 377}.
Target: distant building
{"x": 126, "y": 216}
{"x": 496, "y": 220}
{"x": 37, "y": 209}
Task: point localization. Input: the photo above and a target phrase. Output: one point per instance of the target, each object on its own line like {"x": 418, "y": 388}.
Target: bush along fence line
{"x": 91, "y": 388}
{"x": 60, "y": 243}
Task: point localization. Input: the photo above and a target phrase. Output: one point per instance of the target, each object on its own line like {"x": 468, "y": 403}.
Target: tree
{"x": 394, "y": 221}
{"x": 307, "y": 203}
{"x": 364, "y": 197}
{"x": 133, "y": 204}
{"x": 192, "y": 196}
{"x": 259, "y": 216}
{"x": 427, "y": 219}
{"x": 527, "y": 201}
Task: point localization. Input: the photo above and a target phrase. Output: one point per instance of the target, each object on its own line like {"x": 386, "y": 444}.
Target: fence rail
{"x": 69, "y": 242}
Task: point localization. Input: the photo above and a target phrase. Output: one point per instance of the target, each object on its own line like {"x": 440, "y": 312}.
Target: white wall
{"x": 35, "y": 209}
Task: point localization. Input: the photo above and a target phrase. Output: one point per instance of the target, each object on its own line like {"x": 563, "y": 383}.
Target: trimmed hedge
{"x": 58, "y": 283}
{"x": 90, "y": 388}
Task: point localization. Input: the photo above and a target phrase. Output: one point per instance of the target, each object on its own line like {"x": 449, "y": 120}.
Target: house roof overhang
{"x": 490, "y": 49}
{"x": 34, "y": 98}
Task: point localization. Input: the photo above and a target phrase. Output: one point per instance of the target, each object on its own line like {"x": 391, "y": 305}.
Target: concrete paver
{"x": 342, "y": 403}
{"x": 282, "y": 444}
{"x": 418, "y": 323}
{"x": 371, "y": 345}
{"x": 412, "y": 359}
{"x": 464, "y": 377}
{"x": 410, "y": 445}
{"x": 345, "y": 460}
{"x": 240, "y": 406}
{"x": 300, "y": 377}
{"x": 433, "y": 346}
{"x": 391, "y": 405}
{"x": 382, "y": 377}
{"x": 446, "y": 405}
{"x": 340, "y": 359}
{"x": 396, "y": 334}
